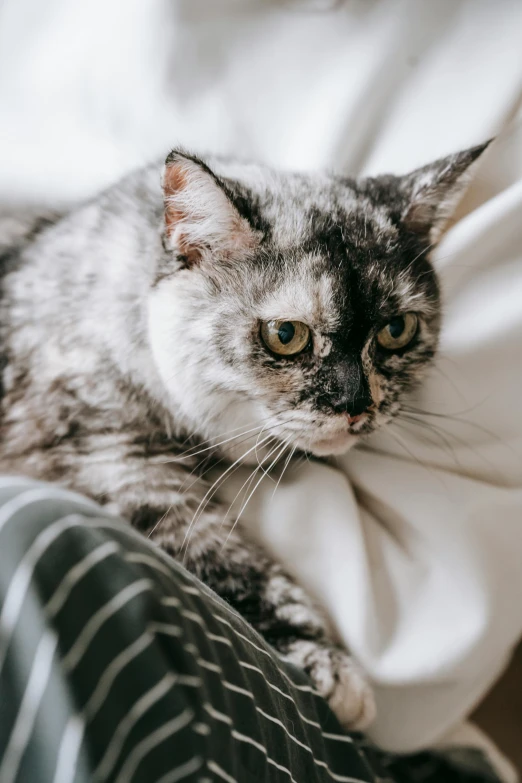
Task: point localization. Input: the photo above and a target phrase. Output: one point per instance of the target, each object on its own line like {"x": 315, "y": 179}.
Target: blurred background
{"x": 89, "y": 91}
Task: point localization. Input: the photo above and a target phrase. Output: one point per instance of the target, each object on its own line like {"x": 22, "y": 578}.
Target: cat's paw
{"x": 339, "y": 680}
{"x": 351, "y": 697}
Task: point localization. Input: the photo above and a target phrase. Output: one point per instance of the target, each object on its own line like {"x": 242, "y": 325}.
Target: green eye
{"x": 286, "y": 338}
{"x": 398, "y": 332}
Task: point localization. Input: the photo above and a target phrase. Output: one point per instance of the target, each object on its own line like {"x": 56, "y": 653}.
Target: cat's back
{"x": 72, "y": 313}
{"x": 19, "y": 227}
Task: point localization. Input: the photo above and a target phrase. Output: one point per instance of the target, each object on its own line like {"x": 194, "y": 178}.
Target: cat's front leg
{"x": 299, "y": 632}
{"x": 173, "y": 513}
{"x": 281, "y": 611}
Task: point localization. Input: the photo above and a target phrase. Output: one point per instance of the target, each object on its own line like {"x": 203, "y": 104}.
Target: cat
{"x": 210, "y": 313}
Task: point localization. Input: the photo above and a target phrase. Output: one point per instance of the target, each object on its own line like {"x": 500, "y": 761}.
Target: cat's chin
{"x": 337, "y": 444}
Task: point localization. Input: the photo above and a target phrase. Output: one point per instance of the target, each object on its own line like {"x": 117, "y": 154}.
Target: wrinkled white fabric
{"x": 413, "y": 544}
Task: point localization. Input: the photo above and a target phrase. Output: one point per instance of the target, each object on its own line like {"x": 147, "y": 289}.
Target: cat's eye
{"x": 398, "y": 332}
{"x": 286, "y": 338}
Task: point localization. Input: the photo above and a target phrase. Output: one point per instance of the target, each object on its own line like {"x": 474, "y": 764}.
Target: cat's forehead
{"x": 300, "y": 208}
{"x": 331, "y": 216}
{"x": 305, "y": 290}
{"x": 338, "y": 252}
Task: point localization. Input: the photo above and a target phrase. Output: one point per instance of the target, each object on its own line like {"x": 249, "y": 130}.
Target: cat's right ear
{"x": 432, "y": 191}
{"x": 201, "y": 221}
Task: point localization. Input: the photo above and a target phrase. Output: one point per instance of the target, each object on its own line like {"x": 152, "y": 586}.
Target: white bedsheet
{"x": 417, "y": 555}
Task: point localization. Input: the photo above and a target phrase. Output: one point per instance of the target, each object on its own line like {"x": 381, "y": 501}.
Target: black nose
{"x": 346, "y": 403}
{"x": 359, "y": 405}
{"x": 349, "y": 390}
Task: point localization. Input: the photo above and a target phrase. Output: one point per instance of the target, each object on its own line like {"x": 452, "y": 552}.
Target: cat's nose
{"x": 359, "y": 406}
{"x": 357, "y": 410}
{"x": 351, "y": 393}
{"x": 354, "y": 407}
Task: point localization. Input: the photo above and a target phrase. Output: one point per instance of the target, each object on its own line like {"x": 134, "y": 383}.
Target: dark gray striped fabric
{"x": 117, "y": 665}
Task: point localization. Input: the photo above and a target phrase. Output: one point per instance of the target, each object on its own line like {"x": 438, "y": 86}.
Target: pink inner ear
{"x": 201, "y": 220}
{"x": 175, "y": 180}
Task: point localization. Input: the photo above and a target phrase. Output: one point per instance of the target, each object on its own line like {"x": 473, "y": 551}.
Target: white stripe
{"x": 237, "y": 689}
{"x": 213, "y": 667}
{"x": 24, "y": 499}
{"x": 171, "y": 601}
{"x": 216, "y": 769}
{"x": 16, "y": 481}
{"x": 288, "y": 733}
{"x": 166, "y": 628}
{"x": 337, "y": 737}
{"x": 217, "y": 600}
{"x": 225, "y": 719}
{"x": 303, "y": 688}
{"x": 190, "y": 680}
{"x": 275, "y": 720}
{"x": 22, "y": 577}
{"x": 247, "y": 665}
{"x": 338, "y": 778}
{"x": 125, "y": 726}
{"x": 314, "y": 723}
{"x": 34, "y": 690}
{"x": 96, "y": 621}
{"x": 317, "y": 762}
{"x": 243, "y": 738}
{"x": 193, "y": 616}
{"x": 148, "y": 560}
{"x": 222, "y": 639}
{"x": 69, "y": 750}
{"x": 182, "y": 772}
{"x": 216, "y": 714}
{"x": 37, "y": 491}
{"x": 117, "y": 664}
{"x": 242, "y": 636}
{"x": 191, "y": 590}
{"x": 144, "y": 747}
{"x": 76, "y": 573}
{"x": 201, "y": 728}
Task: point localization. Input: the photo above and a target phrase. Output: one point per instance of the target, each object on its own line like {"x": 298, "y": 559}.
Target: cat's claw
{"x": 352, "y": 698}
{"x": 339, "y": 680}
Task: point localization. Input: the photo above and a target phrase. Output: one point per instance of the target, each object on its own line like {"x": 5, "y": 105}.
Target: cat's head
{"x": 301, "y": 306}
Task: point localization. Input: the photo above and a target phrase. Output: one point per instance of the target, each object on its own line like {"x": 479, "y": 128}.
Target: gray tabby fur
{"x": 130, "y": 350}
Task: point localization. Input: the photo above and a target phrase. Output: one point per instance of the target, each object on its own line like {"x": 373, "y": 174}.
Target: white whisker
{"x": 215, "y": 486}
{"x": 241, "y": 510}
{"x": 248, "y": 482}
{"x": 287, "y": 463}
{"x": 190, "y": 454}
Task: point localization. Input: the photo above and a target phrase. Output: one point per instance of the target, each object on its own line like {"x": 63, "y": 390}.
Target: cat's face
{"x": 300, "y": 307}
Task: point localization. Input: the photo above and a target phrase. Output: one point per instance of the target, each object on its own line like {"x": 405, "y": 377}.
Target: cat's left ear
{"x": 433, "y": 191}
{"x": 201, "y": 221}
